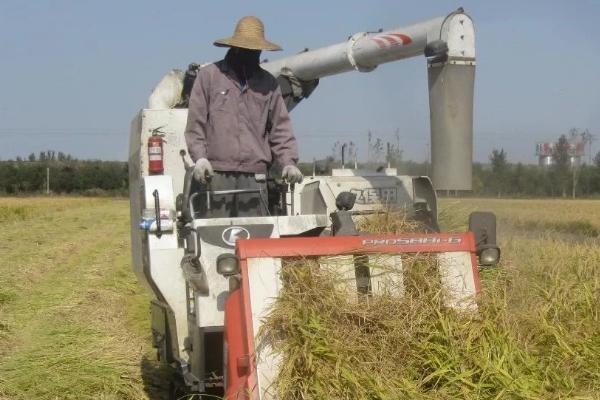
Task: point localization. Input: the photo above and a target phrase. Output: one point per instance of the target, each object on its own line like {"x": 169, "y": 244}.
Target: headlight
{"x": 227, "y": 265}
{"x": 489, "y": 256}
{"x": 483, "y": 226}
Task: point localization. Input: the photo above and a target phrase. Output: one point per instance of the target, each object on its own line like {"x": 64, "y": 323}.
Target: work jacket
{"x": 227, "y": 121}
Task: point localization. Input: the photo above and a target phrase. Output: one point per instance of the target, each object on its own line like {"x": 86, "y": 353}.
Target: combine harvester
{"x": 214, "y": 279}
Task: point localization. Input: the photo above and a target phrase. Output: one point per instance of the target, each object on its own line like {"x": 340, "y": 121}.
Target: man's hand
{"x": 291, "y": 174}
{"x": 202, "y": 170}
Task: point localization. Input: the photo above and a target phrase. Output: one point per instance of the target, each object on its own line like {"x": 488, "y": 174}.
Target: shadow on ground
{"x": 156, "y": 377}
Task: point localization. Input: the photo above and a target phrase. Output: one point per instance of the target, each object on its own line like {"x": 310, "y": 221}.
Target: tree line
{"x": 498, "y": 178}
{"x": 67, "y": 175}
{"x": 562, "y": 178}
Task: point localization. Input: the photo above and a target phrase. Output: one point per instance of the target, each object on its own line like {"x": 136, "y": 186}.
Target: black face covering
{"x": 243, "y": 61}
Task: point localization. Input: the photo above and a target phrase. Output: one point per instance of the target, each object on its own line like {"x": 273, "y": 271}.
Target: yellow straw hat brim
{"x": 249, "y": 34}
{"x": 247, "y": 43}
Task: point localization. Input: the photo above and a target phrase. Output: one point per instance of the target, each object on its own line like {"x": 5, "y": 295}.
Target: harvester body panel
{"x": 374, "y": 191}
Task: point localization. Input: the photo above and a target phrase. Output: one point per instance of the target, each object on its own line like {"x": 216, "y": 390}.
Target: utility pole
{"x": 587, "y": 139}
{"x": 47, "y": 180}
{"x": 389, "y": 154}
{"x": 574, "y": 180}
{"x": 591, "y": 139}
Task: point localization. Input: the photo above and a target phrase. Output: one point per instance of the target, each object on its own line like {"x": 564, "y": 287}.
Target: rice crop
{"x": 73, "y": 320}
{"x": 536, "y": 334}
{"x": 387, "y": 222}
{"x": 74, "y": 323}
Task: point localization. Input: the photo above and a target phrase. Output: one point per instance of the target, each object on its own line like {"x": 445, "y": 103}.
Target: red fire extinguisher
{"x": 155, "y": 153}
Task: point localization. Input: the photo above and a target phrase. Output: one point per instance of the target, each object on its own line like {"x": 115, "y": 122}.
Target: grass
{"x": 576, "y": 217}
{"x": 74, "y": 322}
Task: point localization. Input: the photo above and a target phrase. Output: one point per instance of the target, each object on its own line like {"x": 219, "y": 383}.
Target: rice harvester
{"x": 214, "y": 279}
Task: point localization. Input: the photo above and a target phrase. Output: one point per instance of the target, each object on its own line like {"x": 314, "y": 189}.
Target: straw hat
{"x": 249, "y": 34}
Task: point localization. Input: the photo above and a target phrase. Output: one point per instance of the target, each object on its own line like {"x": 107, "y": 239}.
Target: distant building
{"x": 545, "y": 151}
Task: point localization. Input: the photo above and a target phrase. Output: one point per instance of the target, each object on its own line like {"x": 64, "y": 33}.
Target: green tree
{"x": 561, "y": 170}
{"x": 597, "y": 160}
{"x": 586, "y": 180}
{"x": 499, "y": 177}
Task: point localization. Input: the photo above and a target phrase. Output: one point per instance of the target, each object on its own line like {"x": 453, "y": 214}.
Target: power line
{"x": 60, "y": 132}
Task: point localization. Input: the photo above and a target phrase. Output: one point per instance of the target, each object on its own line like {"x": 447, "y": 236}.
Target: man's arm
{"x": 281, "y": 139}
{"x": 195, "y": 130}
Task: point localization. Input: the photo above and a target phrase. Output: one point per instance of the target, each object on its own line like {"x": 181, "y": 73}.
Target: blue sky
{"x": 73, "y": 73}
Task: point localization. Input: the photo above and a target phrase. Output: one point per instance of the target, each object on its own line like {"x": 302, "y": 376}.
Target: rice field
{"x": 536, "y": 334}
{"x": 74, "y": 321}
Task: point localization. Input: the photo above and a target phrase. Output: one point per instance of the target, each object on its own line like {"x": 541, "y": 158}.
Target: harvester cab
{"x": 215, "y": 279}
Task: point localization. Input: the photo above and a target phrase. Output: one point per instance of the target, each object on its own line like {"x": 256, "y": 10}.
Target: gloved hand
{"x": 202, "y": 170}
{"x": 291, "y": 174}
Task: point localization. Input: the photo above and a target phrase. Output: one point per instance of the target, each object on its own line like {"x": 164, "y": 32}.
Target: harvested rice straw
{"x": 387, "y": 221}
{"x": 535, "y": 336}
{"x": 336, "y": 343}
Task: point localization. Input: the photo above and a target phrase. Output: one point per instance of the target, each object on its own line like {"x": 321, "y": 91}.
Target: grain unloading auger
{"x": 213, "y": 279}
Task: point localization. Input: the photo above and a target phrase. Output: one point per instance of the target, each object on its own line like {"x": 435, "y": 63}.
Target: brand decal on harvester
{"x": 375, "y": 195}
{"x": 230, "y": 235}
{"x": 431, "y": 240}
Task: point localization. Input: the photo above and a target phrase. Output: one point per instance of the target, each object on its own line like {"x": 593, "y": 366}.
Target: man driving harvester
{"x": 238, "y": 125}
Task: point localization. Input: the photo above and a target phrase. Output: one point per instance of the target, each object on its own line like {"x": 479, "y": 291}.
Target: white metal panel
{"x": 459, "y": 32}
{"x": 163, "y": 255}
{"x": 164, "y": 185}
{"x": 172, "y": 124}
{"x": 297, "y": 224}
{"x": 165, "y": 242}
{"x": 210, "y": 308}
{"x": 456, "y": 273}
{"x": 168, "y": 277}
{"x": 135, "y": 195}
{"x": 265, "y": 283}
{"x": 372, "y": 191}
